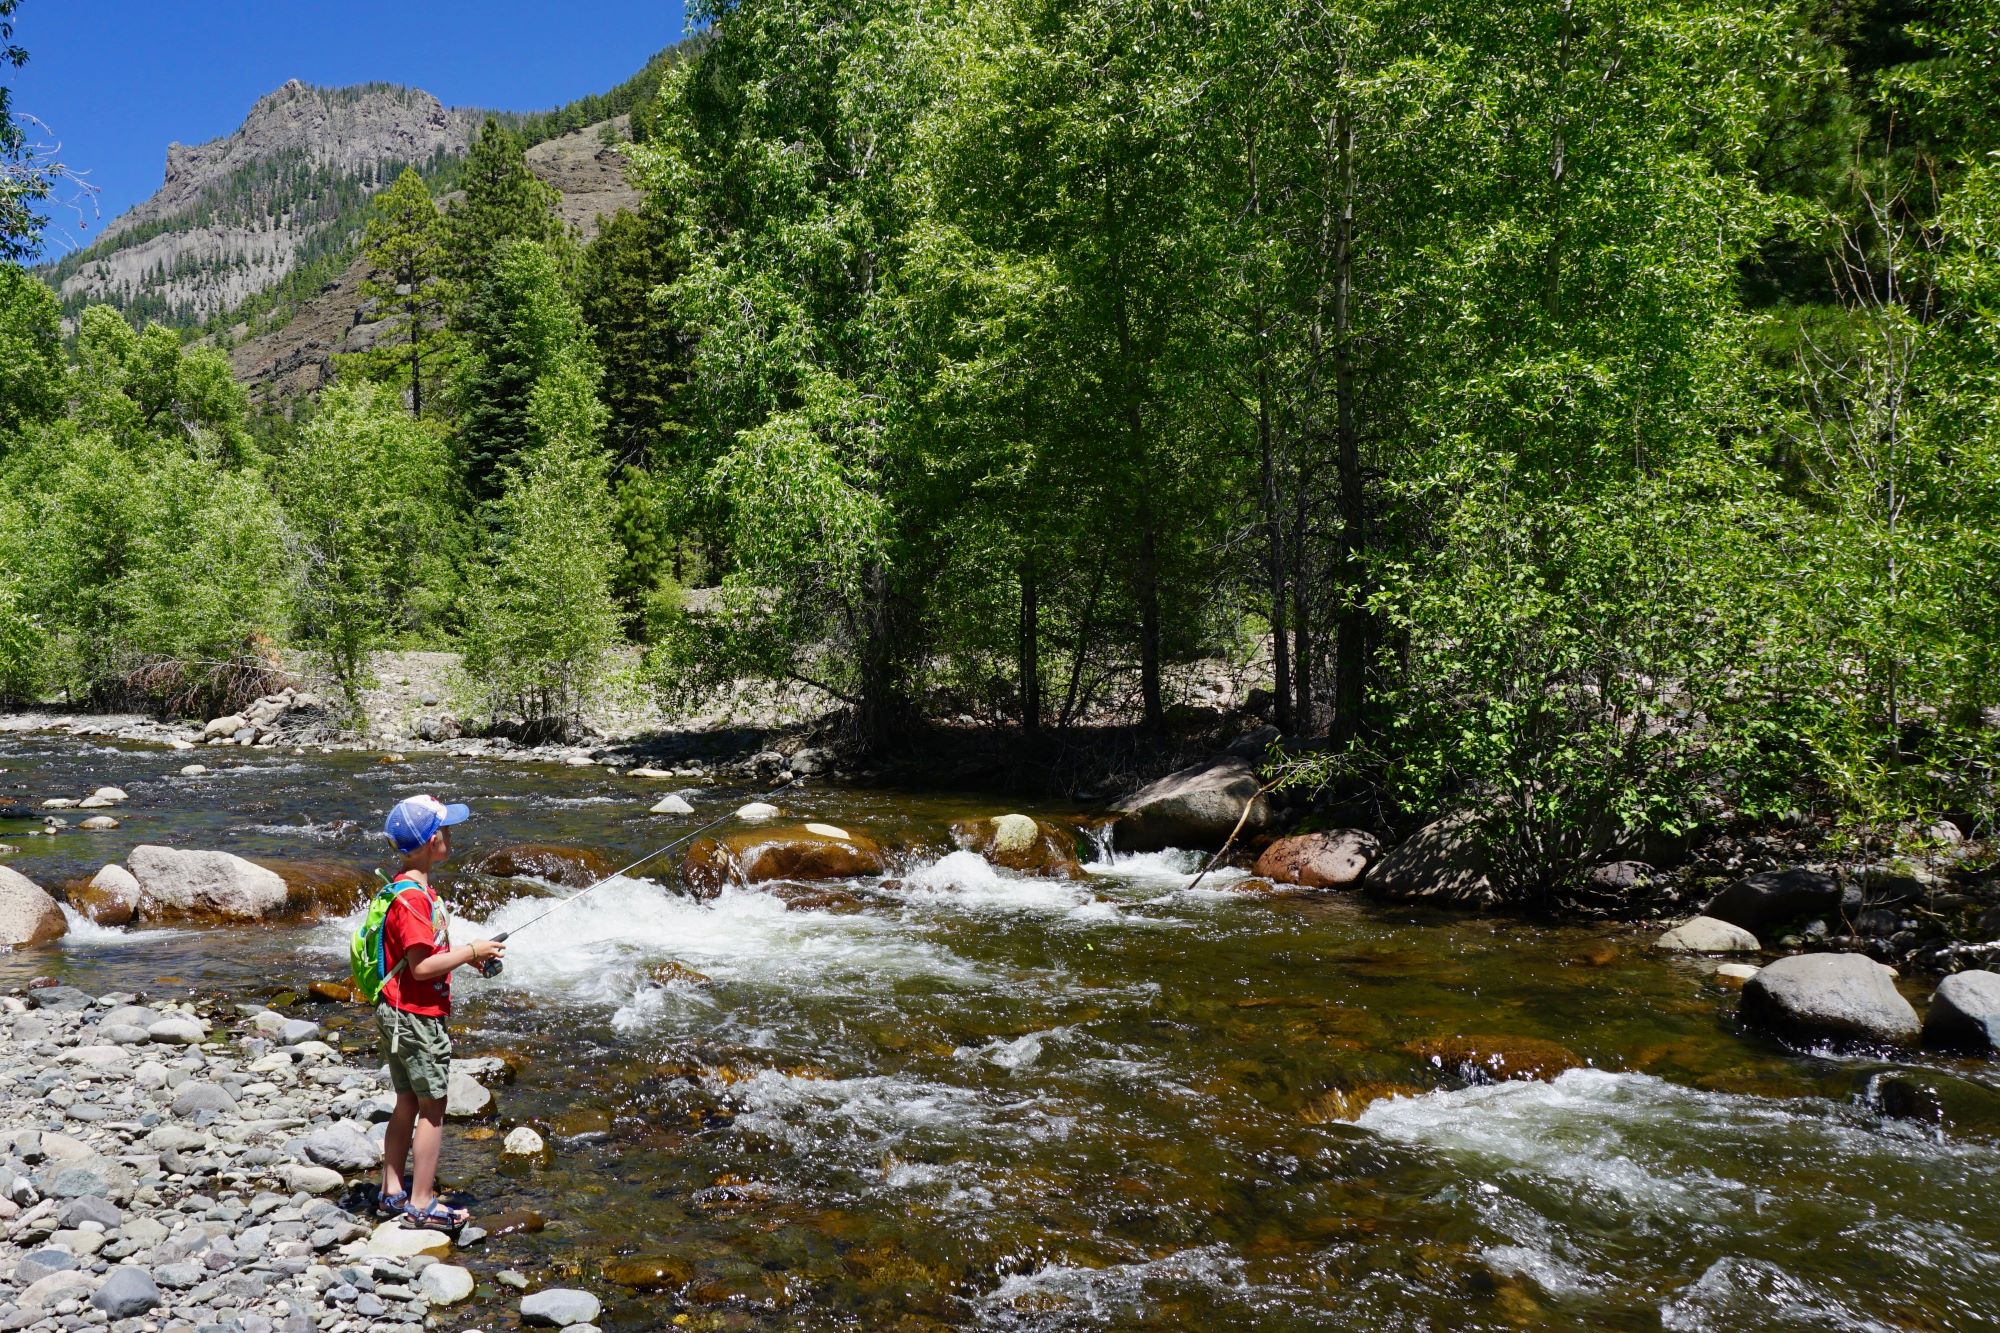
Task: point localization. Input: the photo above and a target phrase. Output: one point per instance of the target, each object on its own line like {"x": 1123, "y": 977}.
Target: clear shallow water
{"x": 957, "y": 1097}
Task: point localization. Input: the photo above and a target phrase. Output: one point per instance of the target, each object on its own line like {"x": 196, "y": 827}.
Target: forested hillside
{"x": 1586, "y": 412}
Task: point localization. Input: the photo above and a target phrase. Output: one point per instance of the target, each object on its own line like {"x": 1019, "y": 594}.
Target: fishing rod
{"x": 491, "y": 967}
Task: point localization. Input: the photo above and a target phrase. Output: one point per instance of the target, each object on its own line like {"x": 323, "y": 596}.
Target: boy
{"x": 416, "y": 1000}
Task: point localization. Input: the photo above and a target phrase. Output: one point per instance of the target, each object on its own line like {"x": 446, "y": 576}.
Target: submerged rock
{"x": 1198, "y": 807}
{"x": 1343, "y": 1104}
{"x": 523, "y": 1141}
{"x": 757, "y": 810}
{"x": 802, "y": 852}
{"x": 204, "y": 885}
{"x": 649, "y": 1272}
{"x": 1492, "y": 1059}
{"x": 28, "y": 915}
{"x": 1706, "y": 934}
{"x": 559, "y": 1307}
{"x": 1016, "y": 842}
{"x": 1441, "y": 862}
{"x": 1829, "y": 997}
{"x": 329, "y": 888}
{"x": 1965, "y": 1014}
{"x": 671, "y": 973}
{"x": 571, "y": 867}
{"x": 1334, "y": 860}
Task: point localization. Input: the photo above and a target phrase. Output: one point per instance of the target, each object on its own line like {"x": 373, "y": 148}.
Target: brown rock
{"x": 1016, "y": 842}
{"x": 571, "y": 867}
{"x": 1334, "y": 860}
{"x": 797, "y": 852}
{"x": 1340, "y": 1104}
{"x": 110, "y": 897}
{"x": 1491, "y": 1059}
{"x": 1597, "y": 953}
{"x": 518, "y": 1221}
{"x": 322, "y": 888}
{"x": 338, "y": 992}
{"x": 667, "y": 973}
{"x": 817, "y": 898}
{"x": 649, "y": 1272}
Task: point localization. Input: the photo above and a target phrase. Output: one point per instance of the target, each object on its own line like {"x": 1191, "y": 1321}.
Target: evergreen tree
{"x": 502, "y": 201}
{"x": 521, "y": 324}
{"x": 641, "y": 346}
{"x": 405, "y": 245}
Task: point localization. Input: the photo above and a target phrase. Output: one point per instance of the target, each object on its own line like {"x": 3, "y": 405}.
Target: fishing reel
{"x": 491, "y": 967}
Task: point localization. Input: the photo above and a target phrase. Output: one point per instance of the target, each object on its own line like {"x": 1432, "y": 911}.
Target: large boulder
{"x": 1197, "y": 808}
{"x": 28, "y": 916}
{"x": 571, "y": 867}
{"x": 1016, "y": 842}
{"x": 1442, "y": 862}
{"x": 109, "y": 897}
{"x": 204, "y": 886}
{"x": 328, "y": 888}
{"x": 1965, "y": 1014}
{"x": 1776, "y": 896}
{"x": 1706, "y": 934}
{"x": 1841, "y": 998}
{"x": 798, "y": 852}
{"x": 1334, "y": 860}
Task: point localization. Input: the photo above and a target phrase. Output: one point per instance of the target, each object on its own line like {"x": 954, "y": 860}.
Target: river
{"x": 957, "y": 1097}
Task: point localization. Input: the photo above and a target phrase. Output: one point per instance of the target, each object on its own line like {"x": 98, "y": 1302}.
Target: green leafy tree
{"x": 32, "y": 368}
{"x": 540, "y": 616}
{"x": 367, "y": 492}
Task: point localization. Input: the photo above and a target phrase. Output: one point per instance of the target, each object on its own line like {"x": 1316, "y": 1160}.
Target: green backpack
{"x": 368, "y": 951}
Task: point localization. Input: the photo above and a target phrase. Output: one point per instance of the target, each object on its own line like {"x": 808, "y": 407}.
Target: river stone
{"x": 98, "y": 824}
{"x": 760, "y": 856}
{"x": 297, "y": 1030}
{"x": 1334, "y": 860}
{"x": 301, "y": 1178}
{"x": 90, "y": 1208}
{"x": 1735, "y": 974}
{"x": 393, "y": 1240}
{"x": 60, "y": 803}
{"x": 38, "y": 1264}
{"x": 1776, "y": 896}
{"x": 671, "y": 804}
{"x": 204, "y": 885}
{"x": 54, "y": 1289}
{"x": 127, "y": 1291}
{"x": 124, "y": 1034}
{"x": 649, "y": 774}
{"x": 111, "y": 795}
{"x": 1441, "y": 862}
{"x": 136, "y": 1015}
{"x": 110, "y": 898}
{"x": 193, "y": 770}
{"x": 61, "y": 999}
{"x": 341, "y": 1147}
{"x": 1018, "y": 843}
{"x": 1832, "y": 997}
{"x": 194, "y": 1098}
{"x": 465, "y": 1098}
{"x": 444, "y": 1284}
{"x": 559, "y": 1307}
{"x": 572, "y": 867}
{"x": 1705, "y": 934}
{"x": 28, "y": 916}
{"x": 1197, "y": 807}
{"x": 757, "y": 810}
{"x": 1965, "y": 1014}
{"x": 177, "y": 1031}
{"x": 227, "y": 725}
{"x": 523, "y": 1142}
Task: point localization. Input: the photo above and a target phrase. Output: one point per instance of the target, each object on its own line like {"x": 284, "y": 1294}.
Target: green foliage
{"x": 31, "y": 357}
{"x": 405, "y": 246}
{"x": 521, "y": 325}
{"x": 368, "y": 492}
{"x": 540, "y": 617}
{"x": 502, "y": 202}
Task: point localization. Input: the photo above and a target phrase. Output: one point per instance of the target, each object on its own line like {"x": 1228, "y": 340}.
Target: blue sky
{"x": 116, "y": 80}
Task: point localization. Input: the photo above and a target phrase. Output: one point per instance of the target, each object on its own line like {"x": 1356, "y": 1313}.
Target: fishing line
{"x": 491, "y": 967}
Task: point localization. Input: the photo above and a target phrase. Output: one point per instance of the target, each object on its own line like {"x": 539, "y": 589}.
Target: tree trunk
{"x": 1350, "y": 672}
{"x": 1030, "y": 650}
{"x": 878, "y": 710}
{"x": 416, "y": 368}
{"x": 1274, "y": 555}
{"x": 1147, "y": 590}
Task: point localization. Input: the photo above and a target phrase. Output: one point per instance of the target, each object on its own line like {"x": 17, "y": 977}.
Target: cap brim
{"x": 454, "y": 814}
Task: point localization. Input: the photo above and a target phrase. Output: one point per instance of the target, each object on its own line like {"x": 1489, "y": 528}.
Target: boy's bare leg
{"x": 429, "y": 1139}
{"x": 396, "y": 1144}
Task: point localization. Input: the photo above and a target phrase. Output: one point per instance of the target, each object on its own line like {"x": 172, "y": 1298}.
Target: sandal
{"x": 439, "y": 1216}
{"x": 391, "y": 1205}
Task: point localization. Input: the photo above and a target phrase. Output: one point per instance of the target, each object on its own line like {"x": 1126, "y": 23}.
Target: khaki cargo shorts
{"x": 417, "y": 1049}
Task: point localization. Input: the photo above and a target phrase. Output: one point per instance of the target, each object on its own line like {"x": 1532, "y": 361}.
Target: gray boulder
{"x": 343, "y": 1148}
{"x": 1776, "y": 896}
{"x": 465, "y": 1097}
{"x": 1841, "y": 998}
{"x": 1965, "y": 1014}
{"x": 559, "y": 1307}
{"x": 214, "y": 885}
{"x": 1196, "y": 808}
{"x": 1705, "y": 934}
{"x": 127, "y": 1291}
{"x": 1441, "y": 862}
{"x": 28, "y": 916}
{"x": 194, "y": 1098}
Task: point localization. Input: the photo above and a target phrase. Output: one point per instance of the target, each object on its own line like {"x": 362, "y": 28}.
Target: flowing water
{"x": 957, "y": 1097}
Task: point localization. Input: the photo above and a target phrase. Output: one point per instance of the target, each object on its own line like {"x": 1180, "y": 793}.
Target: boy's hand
{"x": 486, "y": 950}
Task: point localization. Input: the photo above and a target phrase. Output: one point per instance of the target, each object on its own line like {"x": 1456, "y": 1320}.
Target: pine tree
{"x": 521, "y": 323}
{"x": 503, "y": 201}
{"x": 405, "y": 244}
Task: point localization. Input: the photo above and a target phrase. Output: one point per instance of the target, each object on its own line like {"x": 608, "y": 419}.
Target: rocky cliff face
{"x": 235, "y": 215}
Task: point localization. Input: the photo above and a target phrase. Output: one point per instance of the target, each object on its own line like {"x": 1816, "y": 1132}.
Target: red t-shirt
{"x": 416, "y": 917}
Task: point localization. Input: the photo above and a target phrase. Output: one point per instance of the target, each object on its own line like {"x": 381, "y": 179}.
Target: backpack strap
{"x": 389, "y": 973}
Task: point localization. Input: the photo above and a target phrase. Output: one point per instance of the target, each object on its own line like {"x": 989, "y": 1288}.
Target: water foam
{"x": 966, "y": 881}
{"x": 1118, "y": 1289}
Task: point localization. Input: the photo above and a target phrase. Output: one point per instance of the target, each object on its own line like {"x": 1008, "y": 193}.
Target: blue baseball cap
{"x": 416, "y": 820}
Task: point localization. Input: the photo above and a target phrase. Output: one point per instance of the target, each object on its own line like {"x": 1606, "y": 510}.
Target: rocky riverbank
{"x": 168, "y": 1170}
